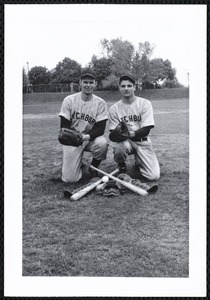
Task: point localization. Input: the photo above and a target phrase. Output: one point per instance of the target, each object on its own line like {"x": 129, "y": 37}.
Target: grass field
{"x": 126, "y": 236}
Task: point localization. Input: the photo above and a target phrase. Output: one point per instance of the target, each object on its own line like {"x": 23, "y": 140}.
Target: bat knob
{"x": 67, "y": 194}
{"x": 153, "y": 189}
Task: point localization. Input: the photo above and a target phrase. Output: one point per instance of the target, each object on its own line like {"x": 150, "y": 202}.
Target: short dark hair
{"x": 127, "y": 77}
{"x": 88, "y": 73}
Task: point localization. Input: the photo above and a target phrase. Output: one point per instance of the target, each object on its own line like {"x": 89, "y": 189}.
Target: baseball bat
{"x": 128, "y": 185}
{"x": 88, "y": 188}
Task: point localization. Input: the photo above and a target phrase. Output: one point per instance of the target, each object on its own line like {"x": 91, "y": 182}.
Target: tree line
{"x": 118, "y": 57}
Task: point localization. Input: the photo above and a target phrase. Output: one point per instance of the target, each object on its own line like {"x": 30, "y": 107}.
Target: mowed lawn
{"x": 125, "y": 236}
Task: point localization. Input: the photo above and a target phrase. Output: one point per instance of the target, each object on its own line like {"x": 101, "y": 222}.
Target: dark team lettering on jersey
{"x": 131, "y": 118}
{"x": 83, "y": 116}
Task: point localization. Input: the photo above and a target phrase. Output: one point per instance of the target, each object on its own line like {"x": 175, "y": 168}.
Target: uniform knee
{"x": 100, "y": 148}
{"x": 155, "y": 175}
{"x": 103, "y": 144}
{"x": 150, "y": 173}
{"x": 71, "y": 177}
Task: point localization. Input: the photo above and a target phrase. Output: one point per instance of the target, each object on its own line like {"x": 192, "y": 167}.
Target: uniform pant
{"x": 145, "y": 157}
{"x": 72, "y": 157}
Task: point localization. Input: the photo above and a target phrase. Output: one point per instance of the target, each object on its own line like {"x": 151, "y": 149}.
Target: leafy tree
{"x": 145, "y": 49}
{"x": 171, "y": 83}
{"x": 106, "y": 47}
{"x": 159, "y": 71}
{"x": 101, "y": 66}
{"x": 171, "y": 72}
{"x": 112, "y": 82}
{"x": 39, "y": 75}
{"x": 121, "y": 52}
{"x": 149, "y": 73}
{"x": 137, "y": 69}
{"x": 162, "y": 71}
{"x": 141, "y": 61}
{"x": 66, "y": 71}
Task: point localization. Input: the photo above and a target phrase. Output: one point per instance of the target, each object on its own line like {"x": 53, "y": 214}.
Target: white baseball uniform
{"x": 82, "y": 115}
{"x": 137, "y": 114}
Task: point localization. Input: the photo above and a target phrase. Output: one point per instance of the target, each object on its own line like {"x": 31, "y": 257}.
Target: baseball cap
{"x": 127, "y": 77}
{"x": 88, "y": 73}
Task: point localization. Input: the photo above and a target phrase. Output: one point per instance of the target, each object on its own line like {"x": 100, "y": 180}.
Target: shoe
{"x": 122, "y": 168}
{"x": 93, "y": 173}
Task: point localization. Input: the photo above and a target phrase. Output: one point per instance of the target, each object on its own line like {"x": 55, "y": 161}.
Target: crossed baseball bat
{"x": 87, "y": 189}
{"x": 76, "y": 196}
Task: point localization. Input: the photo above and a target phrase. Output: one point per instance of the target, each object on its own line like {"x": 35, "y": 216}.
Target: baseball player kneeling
{"x": 130, "y": 122}
{"x": 85, "y": 114}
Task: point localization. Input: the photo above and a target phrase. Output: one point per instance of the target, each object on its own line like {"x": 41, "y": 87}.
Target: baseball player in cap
{"x": 87, "y": 114}
{"x": 137, "y": 113}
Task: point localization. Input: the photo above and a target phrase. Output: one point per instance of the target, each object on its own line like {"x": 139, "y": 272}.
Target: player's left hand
{"x": 121, "y": 133}
{"x": 69, "y": 137}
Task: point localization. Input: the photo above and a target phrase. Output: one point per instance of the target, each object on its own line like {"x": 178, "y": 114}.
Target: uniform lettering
{"x": 131, "y": 118}
{"x": 83, "y": 116}
{"x": 90, "y": 119}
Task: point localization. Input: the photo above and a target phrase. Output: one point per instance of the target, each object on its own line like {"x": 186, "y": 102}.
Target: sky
{"x": 49, "y": 33}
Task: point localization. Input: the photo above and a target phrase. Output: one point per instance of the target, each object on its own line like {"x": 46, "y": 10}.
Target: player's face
{"x": 87, "y": 84}
{"x": 127, "y": 88}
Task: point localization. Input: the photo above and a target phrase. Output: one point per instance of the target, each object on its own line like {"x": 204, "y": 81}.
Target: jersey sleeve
{"x": 147, "y": 114}
{"x": 65, "y": 110}
{"x": 113, "y": 118}
{"x": 102, "y": 113}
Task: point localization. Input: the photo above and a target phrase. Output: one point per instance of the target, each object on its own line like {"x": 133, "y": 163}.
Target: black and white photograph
{"x": 105, "y": 150}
